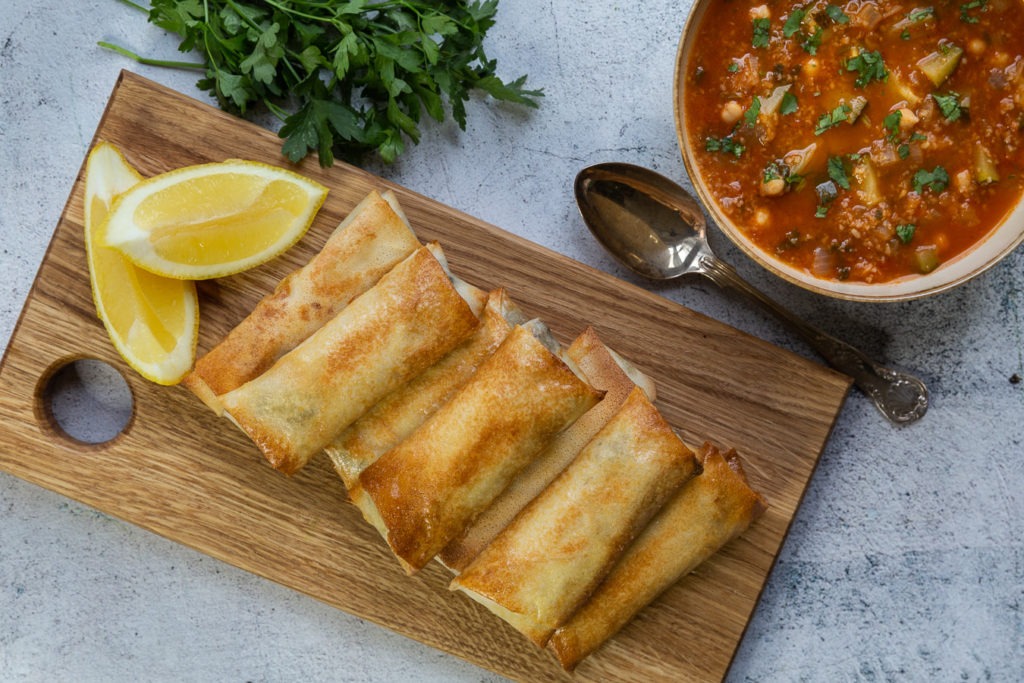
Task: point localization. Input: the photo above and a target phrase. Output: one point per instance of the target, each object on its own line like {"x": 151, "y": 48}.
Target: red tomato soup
{"x": 860, "y": 141}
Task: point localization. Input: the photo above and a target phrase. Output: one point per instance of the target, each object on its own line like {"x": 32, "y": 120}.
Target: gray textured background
{"x": 905, "y": 561}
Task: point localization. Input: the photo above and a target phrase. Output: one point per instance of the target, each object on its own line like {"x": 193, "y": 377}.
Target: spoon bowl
{"x": 647, "y": 222}
{"x": 657, "y": 229}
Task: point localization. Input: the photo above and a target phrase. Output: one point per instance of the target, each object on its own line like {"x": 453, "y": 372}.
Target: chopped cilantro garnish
{"x": 762, "y": 32}
{"x": 727, "y": 145}
{"x": 965, "y": 10}
{"x": 812, "y": 42}
{"x": 869, "y": 67}
{"x": 905, "y": 231}
{"x": 733, "y": 67}
{"x": 788, "y": 104}
{"x": 793, "y": 22}
{"x": 905, "y": 34}
{"x": 779, "y": 169}
{"x": 935, "y": 180}
{"x": 832, "y": 118}
{"x": 837, "y": 172}
{"x": 892, "y": 124}
{"x": 821, "y": 211}
{"x": 790, "y": 240}
{"x": 794, "y": 25}
{"x": 903, "y": 150}
{"x": 949, "y": 105}
{"x": 750, "y": 115}
{"x": 836, "y": 14}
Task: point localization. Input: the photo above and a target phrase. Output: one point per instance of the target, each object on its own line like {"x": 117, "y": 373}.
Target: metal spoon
{"x": 655, "y": 228}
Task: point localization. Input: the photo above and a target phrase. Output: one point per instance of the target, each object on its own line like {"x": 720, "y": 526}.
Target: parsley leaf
{"x": 733, "y": 67}
{"x": 793, "y": 22}
{"x": 837, "y": 172}
{"x": 788, "y": 104}
{"x": 905, "y": 231}
{"x": 790, "y": 240}
{"x": 762, "y": 32}
{"x": 780, "y": 169}
{"x": 949, "y": 105}
{"x": 794, "y": 26}
{"x": 833, "y": 118}
{"x": 812, "y": 42}
{"x": 750, "y": 115}
{"x": 349, "y": 78}
{"x": 892, "y": 124}
{"x": 869, "y": 67}
{"x": 836, "y": 14}
{"x": 935, "y": 180}
{"x": 727, "y": 145}
{"x": 965, "y": 10}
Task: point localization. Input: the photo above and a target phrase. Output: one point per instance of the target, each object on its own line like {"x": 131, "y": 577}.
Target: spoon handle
{"x": 901, "y": 397}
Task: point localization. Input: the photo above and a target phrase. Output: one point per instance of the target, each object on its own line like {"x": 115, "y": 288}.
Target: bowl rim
{"x": 999, "y": 240}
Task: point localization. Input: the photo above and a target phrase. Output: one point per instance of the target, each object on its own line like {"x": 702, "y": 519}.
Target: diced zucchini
{"x": 867, "y": 181}
{"x": 938, "y": 65}
{"x": 902, "y": 89}
{"x": 984, "y": 167}
{"x": 914, "y": 17}
{"x": 926, "y": 258}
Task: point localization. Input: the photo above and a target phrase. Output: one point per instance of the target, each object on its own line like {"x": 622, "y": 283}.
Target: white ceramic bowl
{"x": 1001, "y": 240}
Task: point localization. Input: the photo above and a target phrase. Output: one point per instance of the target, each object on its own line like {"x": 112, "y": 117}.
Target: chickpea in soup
{"x": 862, "y": 141}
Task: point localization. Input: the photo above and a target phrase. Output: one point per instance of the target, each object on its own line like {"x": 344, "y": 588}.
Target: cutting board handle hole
{"x": 86, "y": 400}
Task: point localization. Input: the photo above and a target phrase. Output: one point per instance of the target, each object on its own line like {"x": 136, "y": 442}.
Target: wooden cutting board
{"x": 182, "y": 473}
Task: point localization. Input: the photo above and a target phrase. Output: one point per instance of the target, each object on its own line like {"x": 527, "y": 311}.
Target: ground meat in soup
{"x": 860, "y": 141}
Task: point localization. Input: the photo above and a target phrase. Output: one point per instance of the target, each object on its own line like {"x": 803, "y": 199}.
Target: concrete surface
{"x": 905, "y": 561}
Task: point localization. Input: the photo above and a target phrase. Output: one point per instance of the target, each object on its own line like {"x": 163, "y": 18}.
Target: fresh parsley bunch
{"x": 344, "y": 77}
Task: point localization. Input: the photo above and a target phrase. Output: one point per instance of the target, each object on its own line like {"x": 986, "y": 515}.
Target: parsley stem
{"x": 293, "y": 12}
{"x": 132, "y": 4}
{"x": 274, "y": 109}
{"x": 171, "y": 64}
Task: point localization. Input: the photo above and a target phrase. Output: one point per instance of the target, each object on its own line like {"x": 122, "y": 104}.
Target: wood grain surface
{"x": 179, "y": 471}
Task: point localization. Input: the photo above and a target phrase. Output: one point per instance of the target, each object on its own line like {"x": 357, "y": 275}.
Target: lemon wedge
{"x": 212, "y": 220}
{"x": 153, "y": 321}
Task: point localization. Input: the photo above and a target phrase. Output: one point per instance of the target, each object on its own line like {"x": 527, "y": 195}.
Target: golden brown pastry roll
{"x": 603, "y": 365}
{"x": 396, "y": 416}
{"x": 399, "y": 327}
{"x": 606, "y": 371}
{"x": 367, "y": 244}
{"x": 430, "y": 487}
{"x": 708, "y": 512}
{"x": 541, "y": 568}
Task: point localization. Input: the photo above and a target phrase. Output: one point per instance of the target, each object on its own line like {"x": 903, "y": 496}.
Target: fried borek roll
{"x": 388, "y": 335}
{"x": 426, "y": 490}
{"x": 555, "y": 553}
{"x": 396, "y": 416}
{"x": 706, "y": 513}
{"x": 605, "y": 370}
{"x": 373, "y": 239}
